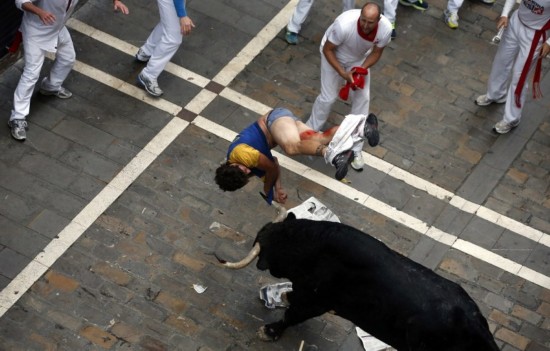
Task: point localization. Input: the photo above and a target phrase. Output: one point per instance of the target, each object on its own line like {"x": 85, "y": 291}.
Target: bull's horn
{"x": 245, "y": 261}
{"x": 281, "y": 212}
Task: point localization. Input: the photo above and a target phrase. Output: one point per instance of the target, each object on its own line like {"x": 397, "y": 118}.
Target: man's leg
{"x": 330, "y": 84}
{"x": 286, "y": 134}
{"x": 299, "y": 15}
{"x": 34, "y": 59}
{"x": 62, "y": 66}
{"x": 348, "y": 5}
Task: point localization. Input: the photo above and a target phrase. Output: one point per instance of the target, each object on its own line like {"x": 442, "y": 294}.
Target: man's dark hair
{"x": 230, "y": 178}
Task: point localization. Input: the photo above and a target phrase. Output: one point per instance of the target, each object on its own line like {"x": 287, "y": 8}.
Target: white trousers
{"x": 331, "y": 83}
{"x": 390, "y": 8}
{"x": 302, "y": 10}
{"x": 164, "y": 40}
{"x": 454, "y": 5}
{"x": 34, "y": 59}
{"x": 507, "y": 66}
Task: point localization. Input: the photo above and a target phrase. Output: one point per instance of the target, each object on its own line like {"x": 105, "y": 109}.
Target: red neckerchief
{"x": 359, "y": 74}
{"x": 536, "y": 77}
{"x": 370, "y": 36}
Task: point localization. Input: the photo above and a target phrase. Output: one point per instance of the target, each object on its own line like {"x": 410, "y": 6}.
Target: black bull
{"x": 334, "y": 267}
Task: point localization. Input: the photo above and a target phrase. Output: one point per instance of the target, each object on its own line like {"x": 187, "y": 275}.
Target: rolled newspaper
{"x": 496, "y": 38}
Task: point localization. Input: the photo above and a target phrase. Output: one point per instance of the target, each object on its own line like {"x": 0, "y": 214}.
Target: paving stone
{"x": 11, "y": 262}
{"x": 482, "y": 233}
{"x": 48, "y": 223}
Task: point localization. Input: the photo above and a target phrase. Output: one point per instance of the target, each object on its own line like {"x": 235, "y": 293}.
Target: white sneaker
{"x": 150, "y": 85}
{"x": 358, "y": 161}
{"x": 141, "y": 56}
{"x": 483, "y": 100}
{"x": 502, "y": 127}
{"x": 451, "y": 18}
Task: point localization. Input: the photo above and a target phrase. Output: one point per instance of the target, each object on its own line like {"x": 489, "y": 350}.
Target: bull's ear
{"x": 290, "y": 216}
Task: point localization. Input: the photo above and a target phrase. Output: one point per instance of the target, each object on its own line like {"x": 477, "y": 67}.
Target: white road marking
{"x": 89, "y": 214}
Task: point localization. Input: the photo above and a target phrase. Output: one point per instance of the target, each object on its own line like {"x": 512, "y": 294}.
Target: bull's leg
{"x": 303, "y": 306}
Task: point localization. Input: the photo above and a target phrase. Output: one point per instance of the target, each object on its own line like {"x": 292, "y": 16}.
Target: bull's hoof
{"x": 266, "y": 333}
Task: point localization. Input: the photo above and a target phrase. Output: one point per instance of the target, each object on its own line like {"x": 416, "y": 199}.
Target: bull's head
{"x": 281, "y": 215}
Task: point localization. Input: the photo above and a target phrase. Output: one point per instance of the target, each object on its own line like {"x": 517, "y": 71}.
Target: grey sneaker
{"x": 62, "y": 93}
{"x": 502, "y": 127}
{"x": 357, "y": 163}
{"x": 141, "y": 56}
{"x": 341, "y": 162}
{"x": 483, "y": 100}
{"x": 150, "y": 85}
{"x": 18, "y": 129}
{"x": 371, "y": 130}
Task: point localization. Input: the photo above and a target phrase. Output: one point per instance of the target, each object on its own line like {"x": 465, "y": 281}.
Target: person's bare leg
{"x": 285, "y": 132}
{"x": 308, "y": 133}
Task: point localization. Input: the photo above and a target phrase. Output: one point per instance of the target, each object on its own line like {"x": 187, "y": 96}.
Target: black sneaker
{"x": 371, "y": 130}
{"x": 341, "y": 162}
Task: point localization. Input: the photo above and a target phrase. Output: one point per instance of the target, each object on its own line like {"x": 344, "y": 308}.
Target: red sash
{"x": 536, "y": 77}
{"x": 15, "y": 43}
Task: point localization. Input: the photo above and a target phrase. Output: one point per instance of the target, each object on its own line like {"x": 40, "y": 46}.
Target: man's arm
{"x": 118, "y": 5}
{"x": 186, "y": 24}
{"x": 45, "y": 16}
{"x": 373, "y": 57}
{"x": 272, "y": 177}
{"x": 329, "y": 52}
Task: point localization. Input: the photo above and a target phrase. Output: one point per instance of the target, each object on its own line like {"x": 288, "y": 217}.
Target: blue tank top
{"x": 253, "y": 136}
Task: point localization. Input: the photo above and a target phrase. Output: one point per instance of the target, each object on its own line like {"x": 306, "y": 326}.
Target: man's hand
{"x": 186, "y": 25}
{"x": 280, "y": 195}
{"x": 119, "y": 6}
{"x": 502, "y": 22}
{"x": 46, "y": 17}
{"x": 544, "y": 50}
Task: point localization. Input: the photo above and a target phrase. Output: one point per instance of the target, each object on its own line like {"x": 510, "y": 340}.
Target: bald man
{"x": 355, "y": 40}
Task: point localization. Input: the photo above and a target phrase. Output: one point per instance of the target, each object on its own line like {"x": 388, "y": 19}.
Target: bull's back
{"x": 366, "y": 282}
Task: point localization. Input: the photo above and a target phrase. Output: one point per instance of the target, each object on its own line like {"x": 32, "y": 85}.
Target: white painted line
{"x": 256, "y": 45}
{"x": 89, "y": 214}
{"x": 200, "y": 101}
{"x": 245, "y": 101}
{"x": 491, "y": 257}
{"x": 129, "y": 89}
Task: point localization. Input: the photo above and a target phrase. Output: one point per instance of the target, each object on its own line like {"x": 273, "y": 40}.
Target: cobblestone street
{"x": 110, "y": 215}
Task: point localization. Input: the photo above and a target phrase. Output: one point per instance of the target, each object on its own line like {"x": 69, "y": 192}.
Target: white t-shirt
{"x": 351, "y": 46}
{"x": 37, "y": 33}
{"x": 534, "y": 13}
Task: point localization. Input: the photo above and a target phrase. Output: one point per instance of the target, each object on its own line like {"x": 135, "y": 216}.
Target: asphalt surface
{"x": 109, "y": 215}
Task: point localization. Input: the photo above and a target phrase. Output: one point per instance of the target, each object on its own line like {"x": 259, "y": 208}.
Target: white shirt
{"x": 37, "y": 33}
{"x": 351, "y": 47}
{"x": 534, "y": 13}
